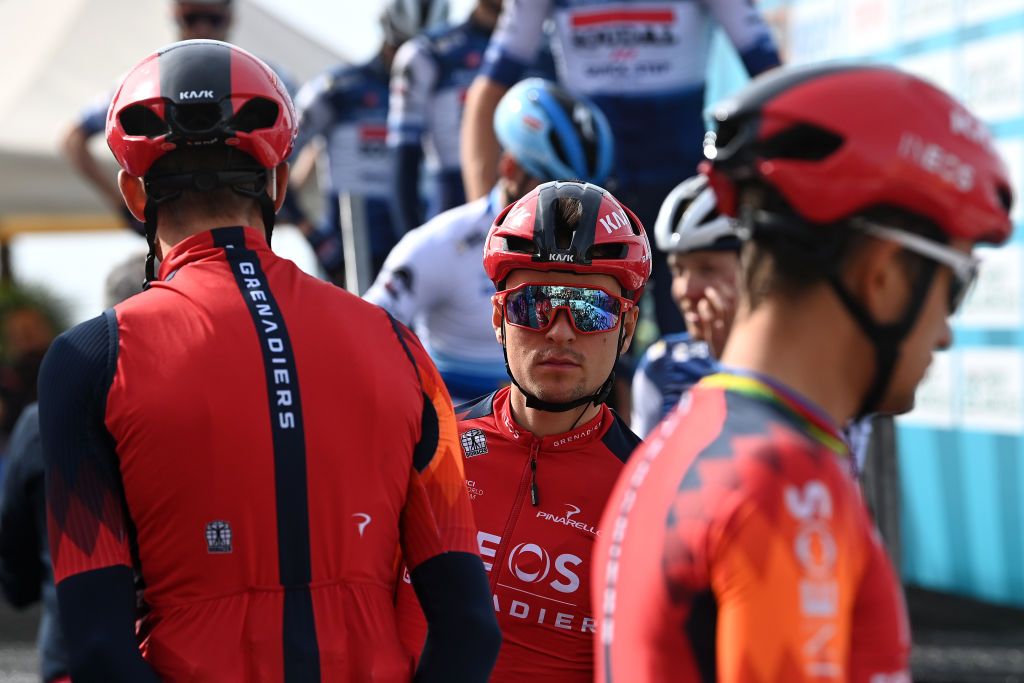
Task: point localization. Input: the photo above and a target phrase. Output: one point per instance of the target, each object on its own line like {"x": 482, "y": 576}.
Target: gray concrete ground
{"x": 18, "y": 662}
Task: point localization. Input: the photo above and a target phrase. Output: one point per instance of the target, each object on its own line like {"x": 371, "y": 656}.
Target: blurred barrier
{"x": 12, "y": 225}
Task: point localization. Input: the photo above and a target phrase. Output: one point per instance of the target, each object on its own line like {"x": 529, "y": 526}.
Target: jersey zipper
{"x": 534, "y": 489}
{"x": 526, "y": 483}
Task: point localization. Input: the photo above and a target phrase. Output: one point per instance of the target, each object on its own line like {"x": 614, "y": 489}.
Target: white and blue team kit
{"x": 430, "y": 77}
{"x": 347, "y": 107}
{"x": 667, "y": 370}
{"x": 434, "y": 282}
{"x": 642, "y": 62}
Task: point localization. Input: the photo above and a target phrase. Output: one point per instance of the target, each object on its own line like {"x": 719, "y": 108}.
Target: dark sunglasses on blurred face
{"x": 194, "y": 18}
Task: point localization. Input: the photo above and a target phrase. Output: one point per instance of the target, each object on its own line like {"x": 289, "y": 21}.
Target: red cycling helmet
{"x": 200, "y": 92}
{"x": 834, "y": 140}
{"x": 608, "y": 238}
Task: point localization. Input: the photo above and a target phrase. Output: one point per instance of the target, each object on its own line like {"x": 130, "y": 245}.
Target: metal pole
{"x": 355, "y": 238}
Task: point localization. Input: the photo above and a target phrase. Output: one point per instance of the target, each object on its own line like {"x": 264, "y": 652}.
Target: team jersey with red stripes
{"x": 736, "y": 548}
{"x": 536, "y": 501}
{"x": 261, "y": 445}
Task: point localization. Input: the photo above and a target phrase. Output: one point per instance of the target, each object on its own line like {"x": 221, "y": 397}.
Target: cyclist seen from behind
{"x": 569, "y": 263}
{"x": 434, "y": 281}
{"x": 738, "y": 546}
{"x": 703, "y": 257}
{"x": 197, "y": 447}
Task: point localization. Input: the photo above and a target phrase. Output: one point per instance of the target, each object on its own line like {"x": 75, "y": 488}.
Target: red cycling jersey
{"x": 260, "y": 445}
{"x": 536, "y": 501}
{"x": 737, "y": 549}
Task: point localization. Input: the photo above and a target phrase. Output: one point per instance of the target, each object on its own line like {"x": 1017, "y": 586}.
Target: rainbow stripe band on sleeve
{"x": 806, "y": 416}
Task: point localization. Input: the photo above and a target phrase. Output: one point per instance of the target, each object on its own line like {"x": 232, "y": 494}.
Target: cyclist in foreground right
{"x": 736, "y": 546}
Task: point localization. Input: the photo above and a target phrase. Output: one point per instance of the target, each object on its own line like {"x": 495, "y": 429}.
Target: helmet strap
{"x": 252, "y": 184}
{"x": 886, "y": 339}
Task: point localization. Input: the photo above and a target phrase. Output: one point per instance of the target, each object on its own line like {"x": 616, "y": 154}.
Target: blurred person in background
{"x": 346, "y": 108}
{"x": 429, "y": 80}
{"x": 197, "y": 448}
{"x": 26, "y": 572}
{"x": 569, "y": 264}
{"x": 742, "y": 549}
{"x": 195, "y": 20}
{"x": 434, "y": 280}
{"x": 644, "y": 64}
{"x": 30, "y": 318}
{"x": 703, "y": 256}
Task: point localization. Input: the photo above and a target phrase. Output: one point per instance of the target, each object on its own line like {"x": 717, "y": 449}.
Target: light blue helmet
{"x": 554, "y": 135}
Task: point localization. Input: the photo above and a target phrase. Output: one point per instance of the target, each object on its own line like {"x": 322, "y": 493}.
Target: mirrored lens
{"x": 959, "y": 288}
{"x": 535, "y": 306}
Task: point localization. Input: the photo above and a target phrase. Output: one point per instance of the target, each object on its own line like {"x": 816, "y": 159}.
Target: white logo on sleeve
{"x": 365, "y": 520}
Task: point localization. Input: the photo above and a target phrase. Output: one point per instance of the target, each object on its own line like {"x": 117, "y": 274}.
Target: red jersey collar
{"x": 582, "y": 435}
{"x": 200, "y": 246}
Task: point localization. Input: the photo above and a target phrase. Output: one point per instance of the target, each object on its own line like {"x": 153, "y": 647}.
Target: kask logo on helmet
{"x": 614, "y": 220}
{"x": 195, "y": 94}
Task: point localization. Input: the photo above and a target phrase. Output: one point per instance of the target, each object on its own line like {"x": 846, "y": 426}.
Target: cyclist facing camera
{"x": 434, "y": 281}
{"x": 741, "y": 548}
{"x": 703, "y": 257}
{"x": 569, "y": 263}
{"x": 191, "y": 433}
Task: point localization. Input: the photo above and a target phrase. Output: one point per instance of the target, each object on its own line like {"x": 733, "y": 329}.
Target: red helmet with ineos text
{"x": 200, "y": 92}
{"x": 835, "y": 140}
{"x": 608, "y": 238}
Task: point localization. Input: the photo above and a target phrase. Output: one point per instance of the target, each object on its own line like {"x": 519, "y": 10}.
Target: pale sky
{"x": 348, "y": 26}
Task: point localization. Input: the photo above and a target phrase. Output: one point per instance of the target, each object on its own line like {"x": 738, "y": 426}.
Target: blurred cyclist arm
{"x": 748, "y": 32}
{"x": 413, "y": 76}
{"x": 75, "y": 146}
{"x": 86, "y": 510}
{"x": 479, "y": 148}
{"x": 514, "y": 45}
{"x": 439, "y": 543}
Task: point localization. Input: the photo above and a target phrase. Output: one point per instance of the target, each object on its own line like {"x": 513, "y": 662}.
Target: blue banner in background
{"x": 961, "y": 451}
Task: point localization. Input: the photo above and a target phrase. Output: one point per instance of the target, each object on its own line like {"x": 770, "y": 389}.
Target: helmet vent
{"x": 196, "y": 119}
{"x": 257, "y": 113}
{"x": 608, "y": 251}
{"x": 140, "y": 120}
{"x": 1005, "y": 195}
{"x": 520, "y": 245}
{"x": 803, "y": 142}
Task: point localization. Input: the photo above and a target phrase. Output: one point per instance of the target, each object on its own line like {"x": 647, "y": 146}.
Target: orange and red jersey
{"x": 537, "y": 501}
{"x": 736, "y": 548}
{"x": 256, "y": 444}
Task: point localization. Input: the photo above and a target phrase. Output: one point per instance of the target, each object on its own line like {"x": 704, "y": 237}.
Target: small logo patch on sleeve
{"x": 218, "y": 537}
{"x": 474, "y": 442}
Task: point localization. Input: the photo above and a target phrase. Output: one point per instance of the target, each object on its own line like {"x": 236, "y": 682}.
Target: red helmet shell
{"x": 899, "y": 142}
{"x": 198, "y": 72}
{"x": 605, "y": 221}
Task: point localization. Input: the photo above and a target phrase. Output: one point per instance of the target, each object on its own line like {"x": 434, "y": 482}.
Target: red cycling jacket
{"x": 537, "y": 502}
{"x": 257, "y": 446}
{"x": 738, "y": 550}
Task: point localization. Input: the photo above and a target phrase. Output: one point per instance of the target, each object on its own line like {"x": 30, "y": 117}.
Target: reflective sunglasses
{"x": 535, "y": 306}
{"x": 963, "y": 266}
{"x": 214, "y": 19}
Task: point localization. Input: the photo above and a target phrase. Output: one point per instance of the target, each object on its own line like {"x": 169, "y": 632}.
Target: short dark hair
{"x": 777, "y": 262}
{"x": 218, "y": 202}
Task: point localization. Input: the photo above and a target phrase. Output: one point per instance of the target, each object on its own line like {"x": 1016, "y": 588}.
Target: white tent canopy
{"x": 59, "y": 55}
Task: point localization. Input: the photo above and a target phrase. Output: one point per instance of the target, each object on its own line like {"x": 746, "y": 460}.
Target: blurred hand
{"x": 715, "y": 311}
